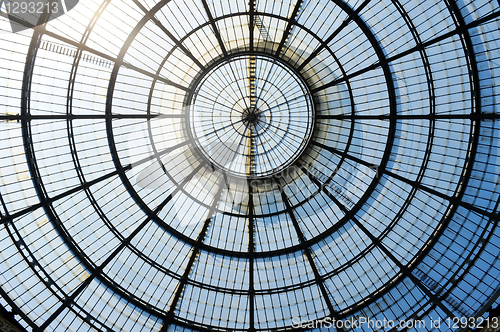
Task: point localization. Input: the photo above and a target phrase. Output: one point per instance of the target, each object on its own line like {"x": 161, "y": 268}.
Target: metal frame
{"x": 45, "y": 201}
{"x": 307, "y": 251}
{"x": 291, "y": 21}
{"x": 194, "y": 254}
{"x": 188, "y": 100}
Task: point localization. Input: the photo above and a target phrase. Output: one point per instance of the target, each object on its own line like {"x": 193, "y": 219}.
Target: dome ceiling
{"x": 249, "y": 166}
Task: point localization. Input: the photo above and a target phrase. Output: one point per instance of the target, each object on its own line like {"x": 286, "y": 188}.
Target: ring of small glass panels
{"x": 318, "y": 203}
{"x": 251, "y": 116}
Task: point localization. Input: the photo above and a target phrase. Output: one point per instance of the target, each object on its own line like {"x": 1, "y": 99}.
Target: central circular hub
{"x": 251, "y": 115}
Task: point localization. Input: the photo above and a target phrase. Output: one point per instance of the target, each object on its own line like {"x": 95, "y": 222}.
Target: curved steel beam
{"x": 194, "y": 254}
{"x": 215, "y": 29}
{"x": 291, "y": 21}
{"x": 307, "y": 251}
{"x": 458, "y": 30}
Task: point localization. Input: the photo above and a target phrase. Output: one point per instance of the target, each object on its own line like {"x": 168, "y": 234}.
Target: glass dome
{"x": 219, "y": 165}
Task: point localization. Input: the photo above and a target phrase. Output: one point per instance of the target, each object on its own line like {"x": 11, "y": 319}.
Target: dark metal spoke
{"x": 251, "y": 26}
{"x": 403, "y": 268}
{"x": 291, "y": 22}
{"x": 334, "y": 34}
{"x": 251, "y": 258}
{"x": 350, "y": 214}
{"x": 307, "y": 251}
{"x": 194, "y": 254}
{"x": 85, "y": 185}
{"x": 222, "y": 128}
{"x": 169, "y": 34}
{"x": 279, "y": 105}
{"x": 71, "y": 116}
{"x": 417, "y": 185}
{"x": 83, "y": 47}
{"x": 99, "y": 270}
{"x": 417, "y": 48}
{"x": 215, "y": 29}
{"x": 447, "y": 116}
{"x": 434, "y": 192}
{"x": 344, "y": 154}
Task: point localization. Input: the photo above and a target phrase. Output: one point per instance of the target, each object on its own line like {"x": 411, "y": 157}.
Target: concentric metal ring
{"x": 273, "y": 94}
